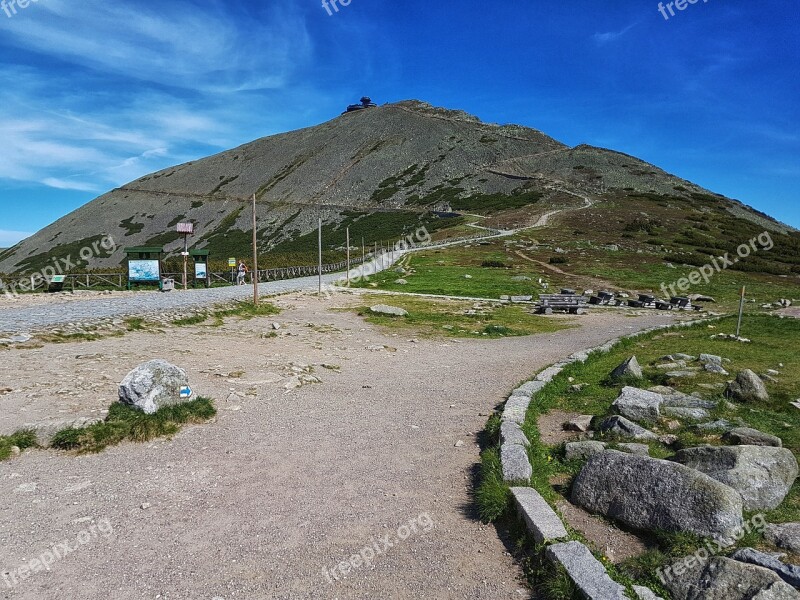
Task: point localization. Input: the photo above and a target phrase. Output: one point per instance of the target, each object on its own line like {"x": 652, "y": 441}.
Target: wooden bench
{"x": 606, "y": 298}
{"x": 565, "y": 302}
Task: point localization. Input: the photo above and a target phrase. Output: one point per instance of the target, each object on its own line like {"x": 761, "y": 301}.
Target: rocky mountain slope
{"x": 381, "y": 171}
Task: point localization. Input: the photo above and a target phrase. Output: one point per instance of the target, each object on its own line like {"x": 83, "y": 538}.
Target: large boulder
{"x": 152, "y": 385}
{"x": 681, "y": 412}
{"x": 582, "y": 450}
{"x": 724, "y": 579}
{"x": 622, "y": 427}
{"x": 745, "y": 436}
{"x": 392, "y": 311}
{"x": 651, "y": 494}
{"x": 710, "y": 359}
{"x": 639, "y": 405}
{"x": 785, "y": 535}
{"x": 747, "y": 387}
{"x": 630, "y": 368}
{"x": 789, "y": 573}
{"x": 762, "y": 475}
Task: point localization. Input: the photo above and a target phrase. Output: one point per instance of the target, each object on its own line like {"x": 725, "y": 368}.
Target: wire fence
{"x": 119, "y": 281}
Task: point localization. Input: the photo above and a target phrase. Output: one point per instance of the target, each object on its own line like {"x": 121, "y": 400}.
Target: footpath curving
{"x": 543, "y": 523}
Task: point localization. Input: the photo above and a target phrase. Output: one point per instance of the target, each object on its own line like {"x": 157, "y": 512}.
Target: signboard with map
{"x": 144, "y": 270}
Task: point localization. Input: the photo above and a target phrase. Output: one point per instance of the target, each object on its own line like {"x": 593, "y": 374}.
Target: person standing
{"x": 241, "y": 272}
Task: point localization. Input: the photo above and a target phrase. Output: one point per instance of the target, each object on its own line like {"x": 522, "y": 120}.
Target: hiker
{"x": 241, "y": 272}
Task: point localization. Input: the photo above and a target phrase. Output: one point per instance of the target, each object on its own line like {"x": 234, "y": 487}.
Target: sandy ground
{"x": 285, "y": 484}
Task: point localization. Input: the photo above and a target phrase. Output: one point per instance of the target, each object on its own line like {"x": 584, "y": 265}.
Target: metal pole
{"x": 255, "y": 256}
{"x": 741, "y": 312}
{"x": 320, "y": 255}
{"x": 185, "y": 258}
{"x": 348, "y": 257}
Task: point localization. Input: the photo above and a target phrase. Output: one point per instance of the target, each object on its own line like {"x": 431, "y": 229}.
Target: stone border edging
{"x": 542, "y": 522}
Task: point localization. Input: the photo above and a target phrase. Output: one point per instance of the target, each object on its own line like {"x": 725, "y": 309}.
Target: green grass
{"x": 194, "y": 320}
{"x": 125, "y": 423}
{"x": 770, "y": 339}
{"x": 493, "y": 495}
{"x": 21, "y": 439}
{"x": 134, "y": 323}
{"x": 445, "y": 272}
{"x": 244, "y": 310}
{"x": 436, "y": 317}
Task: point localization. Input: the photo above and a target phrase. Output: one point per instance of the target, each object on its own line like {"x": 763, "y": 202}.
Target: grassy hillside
{"x": 382, "y": 171}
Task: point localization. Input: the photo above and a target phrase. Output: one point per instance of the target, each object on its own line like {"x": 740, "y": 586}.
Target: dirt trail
{"x": 588, "y": 281}
{"x": 284, "y": 484}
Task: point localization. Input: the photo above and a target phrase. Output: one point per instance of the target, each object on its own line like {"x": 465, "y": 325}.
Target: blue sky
{"x": 96, "y": 93}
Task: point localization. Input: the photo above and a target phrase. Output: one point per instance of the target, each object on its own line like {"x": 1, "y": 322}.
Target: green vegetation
{"x": 381, "y": 227}
{"x": 460, "y": 271}
{"x": 458, "y": 319}
{"x": 282, "y": 174}
{"x": 244, "y": 310}
{"x": 71, "y": 250}
{"x": 163, "y": 239}
{"x": 771, "y": 337}
{"x": 21, "y": 439}
{"x": 130, "y": 227}
{"x": 223, "y": 181}
{"x": 195, "y": 320}
{"x": 492, "y": 203}
{"x": 134, "y": 323}
{"x": 479, "y": 203}
{"x": 654, "y": 231}
{"x": 125, "y": 423}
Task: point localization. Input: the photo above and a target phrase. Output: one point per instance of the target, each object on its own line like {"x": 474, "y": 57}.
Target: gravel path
{"x": 285, "y": 484}
{"x": 41, "y": 312}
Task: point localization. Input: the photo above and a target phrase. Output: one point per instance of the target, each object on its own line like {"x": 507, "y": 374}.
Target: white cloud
{"x": 65, "y": 184}
{"x": 147, "y": 88}
{"x": 611, "y": 36}
{"x": 176, "y": 44}
{"x": 10, "y": 238}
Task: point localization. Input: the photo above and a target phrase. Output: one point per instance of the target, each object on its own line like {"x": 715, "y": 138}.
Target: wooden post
{"x": 255, "y": 256}
{"x": 320, "y": 255}
{"x": 348, "y": 257}
{"x": 185, "y": 260}
{"x": 741, "y": 312}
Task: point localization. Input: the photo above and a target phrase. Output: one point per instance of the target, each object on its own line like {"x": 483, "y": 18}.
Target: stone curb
{"x": 586, "y": 571}
{"x": 542, "y": 522}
